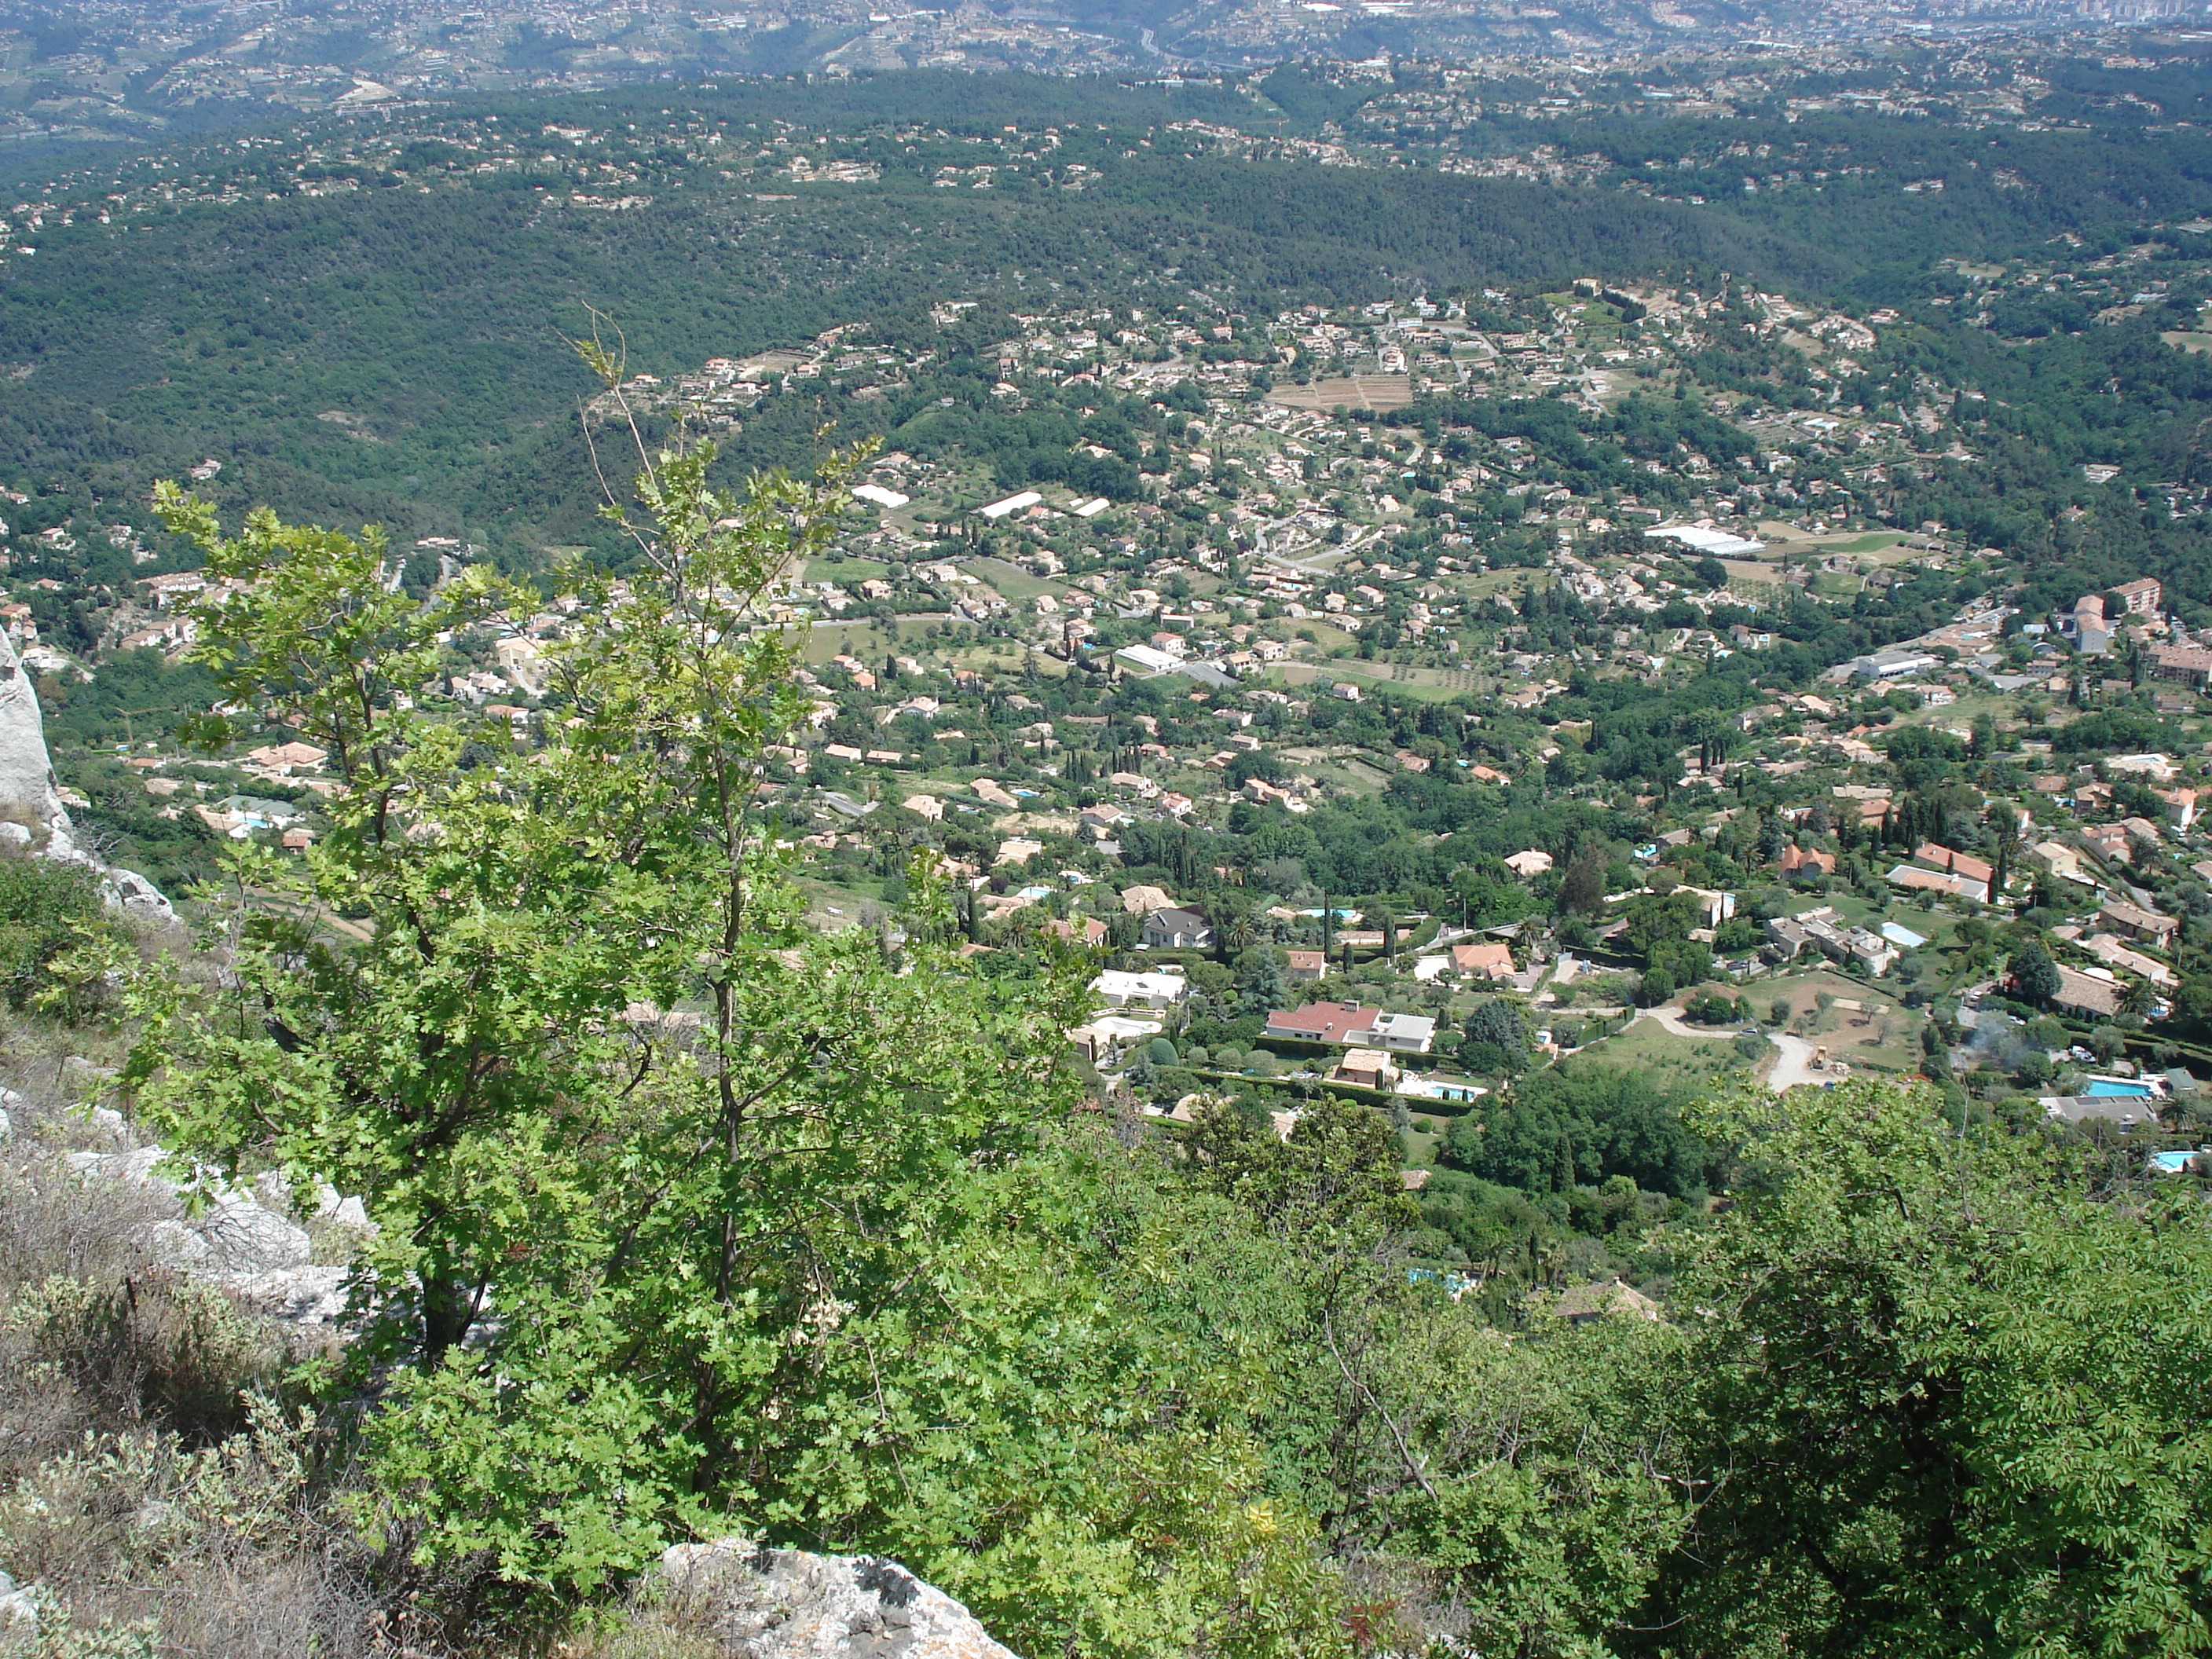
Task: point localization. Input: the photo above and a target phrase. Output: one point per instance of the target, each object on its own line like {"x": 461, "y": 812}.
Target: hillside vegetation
{"x": 687, "y": 1222}
{"x": 677, "y": 830}
{"x": 363, "y": 322}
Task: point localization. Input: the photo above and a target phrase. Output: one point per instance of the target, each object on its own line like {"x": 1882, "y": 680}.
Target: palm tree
{"x": 2137, "y": 997}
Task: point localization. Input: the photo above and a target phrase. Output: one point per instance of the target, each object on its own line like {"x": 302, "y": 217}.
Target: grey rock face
{"x": 790, "y": 1604}
{"x": 306, "y": 1299}
{"x": 29, "y": 795}
{"x": 244, "y": 1237}
{"x": 19, "y": 1614}
{"x": 32, "y": 819}
{"x": 132, "y": 1168}
{"x": 236, "y": 1238}
{"x": 174, "y": 1245}
{"x": 129, "y": 891}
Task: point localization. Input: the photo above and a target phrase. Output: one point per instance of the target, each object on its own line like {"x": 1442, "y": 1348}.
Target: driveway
{"x": 1792, "y": 1067}
{"x": 1671, "y": 1018}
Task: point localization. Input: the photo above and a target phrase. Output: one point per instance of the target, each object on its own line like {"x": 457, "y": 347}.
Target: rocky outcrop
{"x": 33, "y": 819}
{"x": 19, "y": 1614}
{"x": 789, "y": 1604}
{"x": 244, "y": 1240}
{"x": 31, "y": 811}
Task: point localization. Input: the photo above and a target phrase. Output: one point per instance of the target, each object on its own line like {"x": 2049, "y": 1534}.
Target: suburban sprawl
{"x": 1396, "y": 699}
{"x": 1313, "y": 829}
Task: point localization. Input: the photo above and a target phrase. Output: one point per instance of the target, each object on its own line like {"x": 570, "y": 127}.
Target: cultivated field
{"x": 1353, "y": 391}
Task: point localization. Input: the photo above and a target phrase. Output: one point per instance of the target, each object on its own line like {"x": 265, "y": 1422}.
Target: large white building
{"x": 1704, "y": 538}
{"x": 1118, "y": 989}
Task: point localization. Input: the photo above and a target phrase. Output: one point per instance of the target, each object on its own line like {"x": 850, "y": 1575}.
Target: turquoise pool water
{"x": 2105, "y": 1086}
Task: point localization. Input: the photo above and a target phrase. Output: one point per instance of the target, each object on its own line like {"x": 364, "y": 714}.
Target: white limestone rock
{"x": 791, "y": 1604}
{"x": 174, "y": 1245}
{"x": 30, "y": 795}
{"x": 342, "y": 1211}
{"x": 245, "y": 1240}
{"x": 32, "y": 819}
{"x": 19, "y": 1614}
{"x": 245, "y": 1237}
{"x": 135, "y": 1168}
{"x": 128, "y": 891}
{"x": 306, "y": 1299}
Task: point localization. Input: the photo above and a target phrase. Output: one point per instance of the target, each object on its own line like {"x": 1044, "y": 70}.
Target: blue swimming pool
{"x": 2104, "y": 1087}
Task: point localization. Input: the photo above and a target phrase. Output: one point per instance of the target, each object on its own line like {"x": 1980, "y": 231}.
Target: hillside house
{"x": 1713, "y": 907}
{"x": 1491, "y": 961}
{"x": 1175, "y": 928}
{"x": 1952, "y": 862}
{"x": 2131, "y": 922}
{"x": 1348, "y": 1024}
{"x": 1582, "y": 1304}
{"x": 2056, "y": 859}
{"x": 1367, "y": 1068}
{"x": 1803, "y": 864}
{"x": 2087, "y": 993}
{"x": 1790, "y": 936}
{"x": 1126, "y": 990}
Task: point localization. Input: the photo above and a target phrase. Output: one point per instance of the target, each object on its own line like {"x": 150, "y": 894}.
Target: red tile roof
{"x": 1959, "y": 864}
{"x": 1322, "y": 1022}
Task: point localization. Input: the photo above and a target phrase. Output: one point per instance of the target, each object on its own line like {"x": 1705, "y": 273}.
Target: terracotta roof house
{"x": 1801, "y": 863}
{"x": 1348, "y": 1024}
{"x": 1369, "y": 1068}
{"x": 1323, "y": 1022}
{"x": 1957, "y": 863}
{"x": 1493, "y": 961}
{"x": 2133, "y": 922}
{"x": 1584, "y": 1302}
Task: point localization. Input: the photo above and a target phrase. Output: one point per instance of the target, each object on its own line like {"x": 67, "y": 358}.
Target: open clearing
{"x": 1646, "y": 1043}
